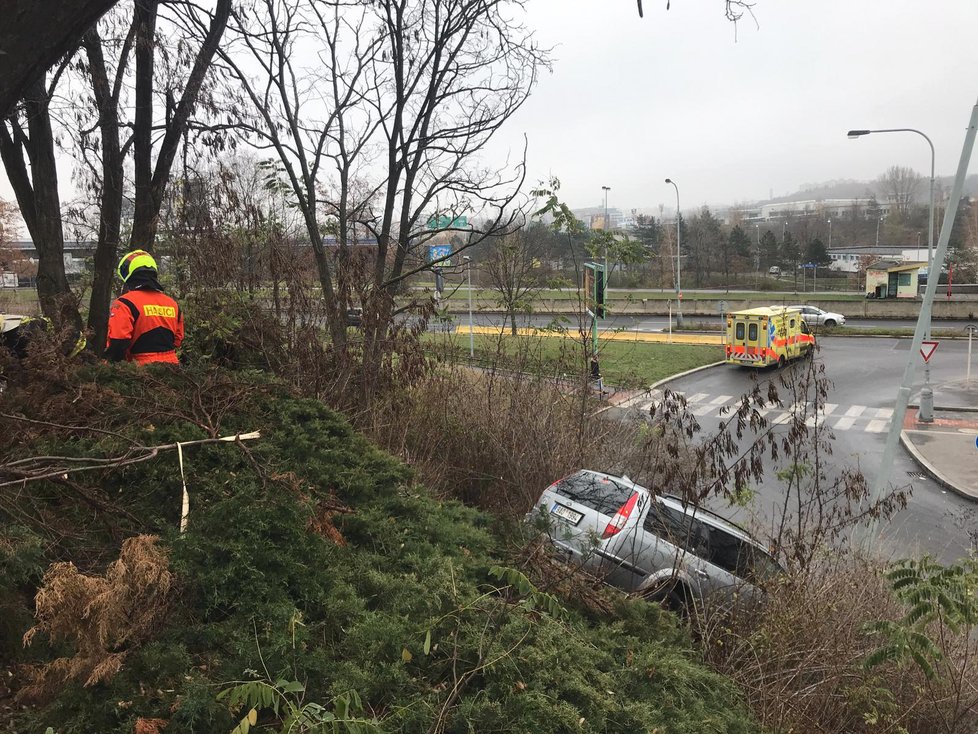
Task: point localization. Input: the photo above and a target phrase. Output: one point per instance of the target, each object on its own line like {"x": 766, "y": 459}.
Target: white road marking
{"x": 821, "y": 416}
{"x": 884, "y": 412}
{"x": 844, "y": 424}
{"x": 855, "y": 411}
{"x": 697, "y": 397}
{"x": 876, "y": 427}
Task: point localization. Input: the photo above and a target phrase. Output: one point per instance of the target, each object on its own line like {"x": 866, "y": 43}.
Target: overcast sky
{"x": 733, "y": 119}
{"x": 631, "y": 102}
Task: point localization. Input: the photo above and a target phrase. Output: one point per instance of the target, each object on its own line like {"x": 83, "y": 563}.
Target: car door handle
{"x": 701, "y": 573}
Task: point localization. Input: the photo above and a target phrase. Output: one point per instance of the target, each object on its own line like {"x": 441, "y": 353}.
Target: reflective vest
{"x": 151, "y": 322}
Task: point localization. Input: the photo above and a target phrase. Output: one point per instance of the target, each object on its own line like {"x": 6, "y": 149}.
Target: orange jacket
{"x": 145, "y": 326}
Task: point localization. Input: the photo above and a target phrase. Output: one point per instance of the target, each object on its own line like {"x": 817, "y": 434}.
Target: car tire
{"x": 829, "y": 323}
{"x": 782, "y": 362}
{"x": 672, "y": 597}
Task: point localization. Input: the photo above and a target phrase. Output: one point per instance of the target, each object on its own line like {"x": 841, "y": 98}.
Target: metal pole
{"x": 468, "y": 270}
{"x": 679, "y": 259}
{"x": 880, "y": 219}
{"x": 607, "y": 228}
{"x": 903, "y": 395}
{"x": 830, "y": 234}
{"x": 970, "y": 334}
{"x": 757, "y": 256}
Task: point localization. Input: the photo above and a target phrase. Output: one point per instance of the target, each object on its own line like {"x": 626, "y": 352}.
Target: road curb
{"x": 655, "y": 385}
{"x": 930, "y": 470}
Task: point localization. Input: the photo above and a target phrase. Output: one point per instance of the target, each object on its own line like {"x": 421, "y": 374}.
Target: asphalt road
{"x": 661, "y": 323}
{"x": 864, "y": 375}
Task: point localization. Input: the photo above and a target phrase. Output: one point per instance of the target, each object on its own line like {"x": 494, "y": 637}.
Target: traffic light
{"x": 599, "y": 308}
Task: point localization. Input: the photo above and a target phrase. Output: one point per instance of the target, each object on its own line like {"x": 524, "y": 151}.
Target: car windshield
{"x": 602, "y": 494}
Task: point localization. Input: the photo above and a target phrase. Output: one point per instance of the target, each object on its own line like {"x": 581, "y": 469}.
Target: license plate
{"x": 572, "y": 516}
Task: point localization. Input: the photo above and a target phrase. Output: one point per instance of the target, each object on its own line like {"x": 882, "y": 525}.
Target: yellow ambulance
{"x": 760, "y": 337}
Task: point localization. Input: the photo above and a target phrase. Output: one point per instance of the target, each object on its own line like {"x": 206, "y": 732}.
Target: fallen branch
{"x": 68, "y": 464}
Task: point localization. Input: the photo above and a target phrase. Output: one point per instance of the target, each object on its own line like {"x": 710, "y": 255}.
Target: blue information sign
{"x": 437, "y": 252}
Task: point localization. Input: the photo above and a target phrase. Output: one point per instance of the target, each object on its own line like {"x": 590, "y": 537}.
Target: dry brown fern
{"x": 103, "y": 617}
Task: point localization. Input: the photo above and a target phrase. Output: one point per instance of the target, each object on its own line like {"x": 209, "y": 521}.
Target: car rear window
{"x": 602, "y": 494}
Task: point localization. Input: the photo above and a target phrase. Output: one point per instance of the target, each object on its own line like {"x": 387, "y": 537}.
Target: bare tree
{"x": 382, "y": 137}
{"x": 103, "y": 84}
{"x": 513, "y": 271}
{"x": 27, "y": 145}
{"x": 899, "y": 185}
{"x": 151, "y": 179}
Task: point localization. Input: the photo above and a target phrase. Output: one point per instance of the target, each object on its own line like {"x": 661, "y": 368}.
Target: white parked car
{"x": 817, "y": 317}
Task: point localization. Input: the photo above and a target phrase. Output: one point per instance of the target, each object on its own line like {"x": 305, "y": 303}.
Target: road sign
{"x": 437, "y": 252}
{"x": 971, "y": 329}
{"x": 722, "y": 307}
{"x": 927, "y": 350}
{"x": 446, "y": 222}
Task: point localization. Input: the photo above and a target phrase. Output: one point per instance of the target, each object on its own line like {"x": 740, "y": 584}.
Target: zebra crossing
{"x": 832, "y": 415}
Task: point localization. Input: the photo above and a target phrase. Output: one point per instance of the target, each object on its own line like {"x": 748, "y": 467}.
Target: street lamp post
{"x": 853, "y": 134}
{"x": 757, "y": 255}
{"x": 607, "y": 228}
{"x": 830, "y": 234}
{"x": 878, "y": 222}
{"x": 468, "y": 272}
{"x": 679, "y": 260}
{"x": 926, "y": 412}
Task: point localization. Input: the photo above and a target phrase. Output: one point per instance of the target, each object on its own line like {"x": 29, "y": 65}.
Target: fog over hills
{"x": 851, "y": 189}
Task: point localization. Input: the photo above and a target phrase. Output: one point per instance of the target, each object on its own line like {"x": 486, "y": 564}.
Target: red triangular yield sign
{"x": 927, "y": 349}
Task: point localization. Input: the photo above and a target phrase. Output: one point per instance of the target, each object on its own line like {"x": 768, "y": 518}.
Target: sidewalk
{"x": 946, "y": 448}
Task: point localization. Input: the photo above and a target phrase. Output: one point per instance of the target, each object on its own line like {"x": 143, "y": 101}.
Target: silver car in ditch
{"x": 651, "y": 545}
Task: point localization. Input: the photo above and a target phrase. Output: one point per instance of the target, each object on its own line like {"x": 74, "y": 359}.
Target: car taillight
{"x": 621, "y": 517}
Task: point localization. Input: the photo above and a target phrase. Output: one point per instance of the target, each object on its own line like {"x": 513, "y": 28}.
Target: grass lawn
{"x": 18, "y": 300}
{"x": 624, "y": 364}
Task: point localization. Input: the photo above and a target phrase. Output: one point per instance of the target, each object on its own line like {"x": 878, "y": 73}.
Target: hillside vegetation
{"x": 316, "y": 581}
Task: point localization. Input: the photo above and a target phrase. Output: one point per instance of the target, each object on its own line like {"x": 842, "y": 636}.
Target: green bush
{"x": 398, "y": 607}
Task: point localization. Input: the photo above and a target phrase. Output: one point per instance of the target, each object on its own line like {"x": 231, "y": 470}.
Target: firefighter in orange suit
{"x": 145, "y": 324}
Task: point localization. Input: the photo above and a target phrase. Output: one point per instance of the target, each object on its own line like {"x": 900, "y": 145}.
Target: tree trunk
{"x": 110, "y": 211}
{"x": 40, "y": 203}
{"x": 144, "y": 219}
{"x": 151, "y": 184}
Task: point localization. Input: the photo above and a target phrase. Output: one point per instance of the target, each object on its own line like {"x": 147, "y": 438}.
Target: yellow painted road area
{"x": 623, "y": 336}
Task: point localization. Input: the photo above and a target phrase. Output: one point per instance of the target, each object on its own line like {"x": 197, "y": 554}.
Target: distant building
{"x": 863, "y": 208}
{"x": 892, "y": 279}
{"x": 849, "y": 259}
{"x": 593, "y": 217}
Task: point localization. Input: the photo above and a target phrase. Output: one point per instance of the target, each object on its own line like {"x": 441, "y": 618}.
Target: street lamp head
{"x": 668, "y": 180}
{"x": 853, "y": 134}
{"x": 466, "y": 258}
{"x": 606, "y": 188}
